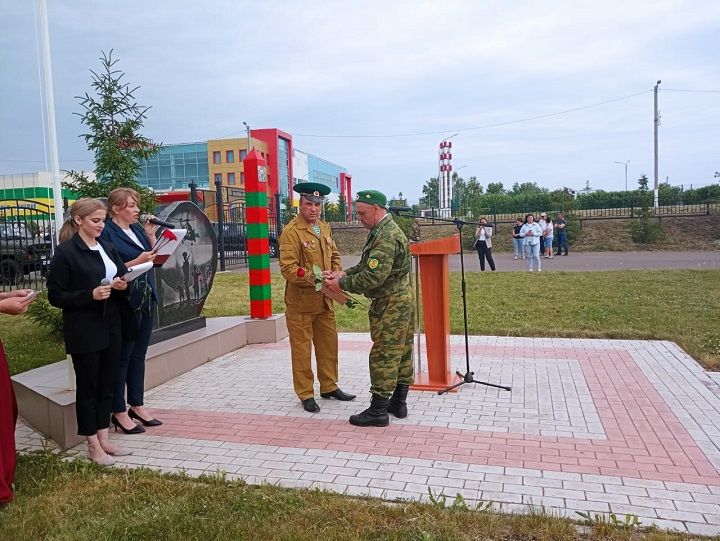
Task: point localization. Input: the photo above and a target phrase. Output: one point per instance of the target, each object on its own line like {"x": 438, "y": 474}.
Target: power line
{"x": 485, "y": 126}
{"x": 697, "y": 91}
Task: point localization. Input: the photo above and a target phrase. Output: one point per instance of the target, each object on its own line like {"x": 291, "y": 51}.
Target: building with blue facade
{"x": 175, "y": 166}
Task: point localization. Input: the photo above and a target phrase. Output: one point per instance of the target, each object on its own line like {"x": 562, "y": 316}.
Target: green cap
{"x": 314, "y": 191}
{"x": 372, "y": 197}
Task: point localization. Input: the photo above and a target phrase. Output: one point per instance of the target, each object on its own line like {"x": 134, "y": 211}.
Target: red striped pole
{"x": 258, "y": 247}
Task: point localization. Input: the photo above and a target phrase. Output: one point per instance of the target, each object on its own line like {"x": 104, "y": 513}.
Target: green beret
{"x": 372, "y": 197}
{"x": 313, "y": 191}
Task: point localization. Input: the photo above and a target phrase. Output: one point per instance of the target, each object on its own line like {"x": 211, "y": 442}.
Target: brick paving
{"x": 629, "y": 427}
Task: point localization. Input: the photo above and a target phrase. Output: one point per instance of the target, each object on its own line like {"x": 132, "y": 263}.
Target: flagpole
{"x": 50, "y": 108}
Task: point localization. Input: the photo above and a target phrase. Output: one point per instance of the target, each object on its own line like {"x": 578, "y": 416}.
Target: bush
{"x": 646, "y": 230}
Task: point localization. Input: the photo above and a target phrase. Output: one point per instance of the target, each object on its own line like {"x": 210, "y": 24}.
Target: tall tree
{"x": 113, "y": 120}
{"x": 495, "y": 188}
{"x": 643, "y": 183}
{"x": 526, "y": 188}
{"x": 431, "y": 193}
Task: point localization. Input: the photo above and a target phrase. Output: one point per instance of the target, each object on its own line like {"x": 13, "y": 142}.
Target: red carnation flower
{"x": 169, "y": 234}
{"x": 300, "y": 272}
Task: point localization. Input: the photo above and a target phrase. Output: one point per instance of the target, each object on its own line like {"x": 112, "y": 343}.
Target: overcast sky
{"x": 403, "y": 75}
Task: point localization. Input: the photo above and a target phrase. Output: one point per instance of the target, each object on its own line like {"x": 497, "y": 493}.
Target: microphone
{"x": 105, "y": 282}
{"x": 145, "y": 218}
{"x": 397, "y": 210}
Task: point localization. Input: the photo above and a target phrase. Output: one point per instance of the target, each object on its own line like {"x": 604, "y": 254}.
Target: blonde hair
{"x": 119, "y": 198}
{"x": 82, "y": 208}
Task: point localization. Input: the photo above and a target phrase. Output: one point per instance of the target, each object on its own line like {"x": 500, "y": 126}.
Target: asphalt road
{"x": 583, "y": 261}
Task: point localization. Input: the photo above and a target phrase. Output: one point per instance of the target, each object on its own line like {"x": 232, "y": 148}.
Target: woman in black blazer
{"x": 95, "y": 318}
{"x": 134, "y": 244}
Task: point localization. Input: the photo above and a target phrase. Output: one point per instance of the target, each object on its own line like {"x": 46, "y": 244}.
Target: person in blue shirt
{"x": 531, "y": 232}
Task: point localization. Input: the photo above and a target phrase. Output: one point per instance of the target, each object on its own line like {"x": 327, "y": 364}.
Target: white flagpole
{"x": 50, "y": 108}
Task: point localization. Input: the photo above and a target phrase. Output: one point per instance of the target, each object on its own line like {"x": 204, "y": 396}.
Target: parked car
{"x": 21, "y": 252}
{"x": 234, "y": 238}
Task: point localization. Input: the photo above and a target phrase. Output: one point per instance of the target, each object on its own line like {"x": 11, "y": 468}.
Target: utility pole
{"x": 656, "y": 193}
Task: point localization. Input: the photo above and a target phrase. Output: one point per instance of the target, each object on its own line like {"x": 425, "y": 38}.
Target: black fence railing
{"x": 26, "y": 244}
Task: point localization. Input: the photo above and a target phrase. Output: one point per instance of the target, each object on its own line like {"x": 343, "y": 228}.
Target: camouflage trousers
{"x": 392, "y": 324}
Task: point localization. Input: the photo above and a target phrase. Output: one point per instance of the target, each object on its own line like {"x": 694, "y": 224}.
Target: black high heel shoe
{"x": 137, "y": 429}
{"x": 151, "y": 422}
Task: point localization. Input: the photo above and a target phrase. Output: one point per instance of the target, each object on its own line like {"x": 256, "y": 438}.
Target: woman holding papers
{"x": 134, "y": 244}
{"x": 84, "y": 280}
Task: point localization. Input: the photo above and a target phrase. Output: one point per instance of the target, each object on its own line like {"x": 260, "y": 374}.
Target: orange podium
{"x": 435, "y": 284}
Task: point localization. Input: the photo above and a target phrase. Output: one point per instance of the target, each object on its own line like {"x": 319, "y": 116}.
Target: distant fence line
{"x": 700, "y": 209}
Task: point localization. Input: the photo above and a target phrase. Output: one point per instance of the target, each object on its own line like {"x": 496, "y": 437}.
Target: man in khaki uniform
{"x": 310, "y": 316}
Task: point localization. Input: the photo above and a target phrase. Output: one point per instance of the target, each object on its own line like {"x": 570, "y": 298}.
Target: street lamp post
{"x": 249, "y": 143}
{"x": 625, "y": 164}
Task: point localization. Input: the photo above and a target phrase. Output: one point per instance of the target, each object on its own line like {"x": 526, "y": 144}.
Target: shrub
{"x": 646, "y": 230}
{"x": 50, "y": 318}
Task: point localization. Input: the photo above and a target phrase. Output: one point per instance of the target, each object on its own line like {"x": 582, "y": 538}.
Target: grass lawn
{"x": 678, "y": 305}
{"x": 68, "y": 500}
{"x": 63, "y": 500}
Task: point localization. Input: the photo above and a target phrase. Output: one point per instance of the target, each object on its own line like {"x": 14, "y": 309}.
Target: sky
{"x": 530, "y": 88}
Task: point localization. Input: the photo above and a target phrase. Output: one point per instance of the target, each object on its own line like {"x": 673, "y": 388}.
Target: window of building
{"x": 242, "y": 178}
{"x": 231, "y": 179}
{"x": 230, "y": 156}
{"x": 216, "y": 156}
{"x": 218, "y": 177}
{"x": 243, "y": 154}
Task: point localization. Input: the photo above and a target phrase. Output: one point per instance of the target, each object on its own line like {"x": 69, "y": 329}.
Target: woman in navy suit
{"x": 84, "y": 280}
{"x": 134, "y": 243}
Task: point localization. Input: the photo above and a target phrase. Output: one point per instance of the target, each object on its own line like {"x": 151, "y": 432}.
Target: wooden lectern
{"x": 435, "y": 284}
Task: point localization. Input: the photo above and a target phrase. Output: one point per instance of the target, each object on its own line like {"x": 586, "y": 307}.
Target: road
{"x": 583, "y": 261}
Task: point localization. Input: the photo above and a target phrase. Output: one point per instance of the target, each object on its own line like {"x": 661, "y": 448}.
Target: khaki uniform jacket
{"x": 301, "y": 248}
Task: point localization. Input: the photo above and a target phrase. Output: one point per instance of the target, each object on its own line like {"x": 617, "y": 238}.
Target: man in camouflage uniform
{"x": 309, "y": 314}
{"x": 383, "y": 275}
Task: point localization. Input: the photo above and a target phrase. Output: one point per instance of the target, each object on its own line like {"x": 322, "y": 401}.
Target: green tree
{"x": 431, "y": 193}
{"x": 495, "y": 188}
{"x": 643, "y": 183}
{"x": 113, "y": 120}
{"x": 525, "y": 188}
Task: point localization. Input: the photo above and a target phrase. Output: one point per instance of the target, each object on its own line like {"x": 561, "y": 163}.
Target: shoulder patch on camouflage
{"x": 373, "y": 263}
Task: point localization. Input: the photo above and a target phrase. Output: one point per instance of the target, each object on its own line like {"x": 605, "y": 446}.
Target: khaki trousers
{"x": 306, "y": 330}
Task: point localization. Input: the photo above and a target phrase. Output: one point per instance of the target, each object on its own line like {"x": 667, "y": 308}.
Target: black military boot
{"x": 375, "y": 415}
{"x": 398, "y": 404}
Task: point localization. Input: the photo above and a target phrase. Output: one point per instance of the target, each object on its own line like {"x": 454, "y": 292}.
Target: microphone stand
{"x": 468, "y": 376}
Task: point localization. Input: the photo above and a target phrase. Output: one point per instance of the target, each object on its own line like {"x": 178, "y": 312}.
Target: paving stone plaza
{"x": 622, "y": 426}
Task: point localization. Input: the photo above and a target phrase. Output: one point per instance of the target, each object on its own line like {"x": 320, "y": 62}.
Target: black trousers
{"x": 485, "y": 252}
{"x": 95, "y": 379}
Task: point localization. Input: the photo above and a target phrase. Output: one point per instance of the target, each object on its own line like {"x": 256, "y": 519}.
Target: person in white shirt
{"x": 549, "y": 234}
{"x": 483, "y": 244}
{"x": 532, "y": 233}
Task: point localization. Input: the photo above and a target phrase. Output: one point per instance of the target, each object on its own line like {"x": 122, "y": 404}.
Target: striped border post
{"x": 258, "y": 245}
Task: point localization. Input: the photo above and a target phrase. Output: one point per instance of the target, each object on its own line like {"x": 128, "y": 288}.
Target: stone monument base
{"x": 46, "y": 395}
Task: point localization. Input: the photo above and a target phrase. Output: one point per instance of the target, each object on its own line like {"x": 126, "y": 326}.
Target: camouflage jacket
{"x": 300, "y": 247}
{"x": 384, "y": 267}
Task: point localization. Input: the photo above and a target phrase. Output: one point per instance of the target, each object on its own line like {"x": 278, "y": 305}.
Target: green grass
{"x": 68, "y": 500}
{"x": 677, "y": 305}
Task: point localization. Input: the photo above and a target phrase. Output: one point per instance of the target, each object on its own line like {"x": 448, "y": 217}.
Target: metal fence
{"x": 26, "y": 244}
{"x": 231, "y": 228}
